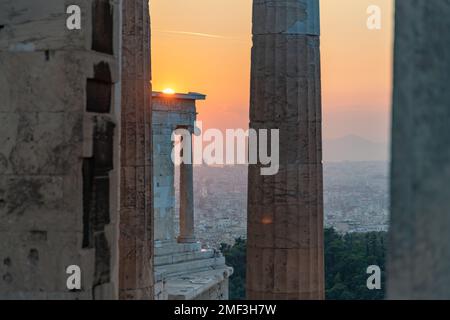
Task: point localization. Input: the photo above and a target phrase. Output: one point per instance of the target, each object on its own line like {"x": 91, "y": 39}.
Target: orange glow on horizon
{"x": 205, "y": 46}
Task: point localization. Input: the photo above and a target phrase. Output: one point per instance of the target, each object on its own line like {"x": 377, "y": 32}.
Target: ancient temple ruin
{"x": 285, "y": 211}
{"x": 183, "y": 270}
{"x": 86, "y": 179}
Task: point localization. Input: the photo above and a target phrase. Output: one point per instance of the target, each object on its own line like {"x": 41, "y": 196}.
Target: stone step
{"x": 173, "y": 248}
{"x": 183, "y": 257}
{"x": 197, "y": 284}
{"x": 189, "y": 267}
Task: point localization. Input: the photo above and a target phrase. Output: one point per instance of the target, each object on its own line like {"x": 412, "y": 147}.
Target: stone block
{"x": 41, "y": 25}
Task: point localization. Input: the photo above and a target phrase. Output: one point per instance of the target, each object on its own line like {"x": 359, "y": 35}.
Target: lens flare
{"x": 168, "y": 91}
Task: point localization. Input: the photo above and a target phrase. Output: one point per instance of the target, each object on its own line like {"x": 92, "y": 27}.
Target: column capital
{"x": 290, "y": 17}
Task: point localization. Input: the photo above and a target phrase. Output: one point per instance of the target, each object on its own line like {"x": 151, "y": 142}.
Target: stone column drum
{"x": 187, "y": 232}
{"x": 419, "y": 246}
{"x": 136, "y": 218}
{"x": 285, "y": 211}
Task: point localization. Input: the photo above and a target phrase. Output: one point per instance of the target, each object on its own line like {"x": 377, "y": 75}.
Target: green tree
{"x": 236, "y": 257}
{"x": 346, "y": 260}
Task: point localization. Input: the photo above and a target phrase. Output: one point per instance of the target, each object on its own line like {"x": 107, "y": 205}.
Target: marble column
{"x": 285, "y": 211}
{"x": 419, "y": 245}
{"x": 136, "y": 218}
{"x": 187, "y": 232}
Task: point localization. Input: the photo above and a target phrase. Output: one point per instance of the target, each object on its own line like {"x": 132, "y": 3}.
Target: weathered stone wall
{"x": 59, "y": 157}
{"x": 419, "y": 253}
{"x": 285, "y": 211}
{"x": 136, "y": 209}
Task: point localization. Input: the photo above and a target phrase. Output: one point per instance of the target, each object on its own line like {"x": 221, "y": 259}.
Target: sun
{"x": 168, "y": 91}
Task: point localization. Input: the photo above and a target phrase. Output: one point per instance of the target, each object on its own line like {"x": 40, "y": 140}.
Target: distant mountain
{"x": 354, "y": 148}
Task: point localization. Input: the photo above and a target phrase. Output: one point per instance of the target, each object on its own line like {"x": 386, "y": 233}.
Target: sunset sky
{"x": 204, "y": 46}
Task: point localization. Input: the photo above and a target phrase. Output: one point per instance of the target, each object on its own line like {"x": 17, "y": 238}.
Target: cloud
{"x": 196, "y": 34}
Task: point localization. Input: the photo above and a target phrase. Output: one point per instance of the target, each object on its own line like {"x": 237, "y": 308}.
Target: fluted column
{"x": 187, "y": 232}
{"x": 136, "y": 236}
{"x": 419, "y": 246}
{"x": 285, "y": 211}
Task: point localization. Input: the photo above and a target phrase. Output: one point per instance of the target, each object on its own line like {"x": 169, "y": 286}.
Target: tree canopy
{"x": 347, "y": 257}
